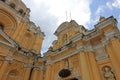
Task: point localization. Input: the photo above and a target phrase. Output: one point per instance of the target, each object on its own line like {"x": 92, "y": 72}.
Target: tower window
{"x": 12, "y": 5}
{"x": 21, "y": 11}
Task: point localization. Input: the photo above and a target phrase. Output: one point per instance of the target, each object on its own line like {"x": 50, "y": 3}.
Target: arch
{"x": 8, "y": 22}
{"x": 12, "y": 5}
{"x": 13, "y": 75}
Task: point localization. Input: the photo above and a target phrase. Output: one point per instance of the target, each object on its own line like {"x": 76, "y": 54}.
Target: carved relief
{"x": 100, "y": 54}
{"x": 108, "y": 73}
{"x": 13, "y": 75}
{"x": 75, "y": 61}
{"x": 65, "y": 38}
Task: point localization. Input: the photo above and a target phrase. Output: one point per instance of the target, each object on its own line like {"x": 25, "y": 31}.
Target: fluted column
{"x": 41, "y": 75}
{"x": 35, "y": 74}
{"x": 84, "y": 66}
{"x": 116, "y": 47}
{"x": 114, "y": 61}
{"x": 95, "y": 71}
{"x": 2, "y": 69}
{"x": 48, "y": 72}
{"x": 27, "y": 73}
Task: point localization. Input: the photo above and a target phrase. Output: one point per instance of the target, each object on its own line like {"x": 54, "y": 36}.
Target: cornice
{"x": 61, "y": 49}
{"x": 106, "y": 22}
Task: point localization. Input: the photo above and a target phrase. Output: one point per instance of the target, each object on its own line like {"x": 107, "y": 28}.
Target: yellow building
{"x": 20, "y": 42}
{"x": 77, "y": 54}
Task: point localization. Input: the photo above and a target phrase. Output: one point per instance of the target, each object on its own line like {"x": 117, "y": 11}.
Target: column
{"x": 41, "y": 75}
{"x": 114, "y": 61}
{"x": 116, "y": 48}
{"x": 84, "y": 66}
{"x": 2, "y": 69}
{"x": 35, "y": 74}
{"x": 48, "y": 72}
{"x": 95, "y": 71}
{"x": 27, "y": 73}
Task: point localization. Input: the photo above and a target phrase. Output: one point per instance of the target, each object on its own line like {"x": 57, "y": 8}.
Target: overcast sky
{"x": 49, "y": 14}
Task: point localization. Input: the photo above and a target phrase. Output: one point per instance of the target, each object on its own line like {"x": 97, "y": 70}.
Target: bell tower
{"x": 20, "y": 42}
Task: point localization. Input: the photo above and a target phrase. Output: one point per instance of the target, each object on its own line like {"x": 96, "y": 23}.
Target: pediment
{"x": 66, "y": 25}
{"x": 6, "y": 40}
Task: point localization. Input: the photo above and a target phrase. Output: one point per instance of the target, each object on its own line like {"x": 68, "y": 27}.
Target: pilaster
{"x": 93, "y": 64}
{"x": 35, "y": 74}
{"x": 116, "y": 47}
{"x": 41, "y": 75}
{"x": 27, "y": 73}
{"x": 3, "y": 68}
{"x": 84, "y": 66}
{"x": 48, "y": 72}
{"x": 114, "y": 61}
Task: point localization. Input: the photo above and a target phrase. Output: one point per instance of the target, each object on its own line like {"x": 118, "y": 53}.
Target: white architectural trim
{"x": 106, "y": 22}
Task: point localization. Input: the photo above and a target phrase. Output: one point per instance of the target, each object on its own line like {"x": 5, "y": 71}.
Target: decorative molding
{"x": 4, "y": 35}
{"x": 38, "y": 67}
{"x": 111, "y": 35}
{"x": 92, "y": 34}
{"x": 60, "y": 50}
{"x": 63, "y": 57}
{"x": 9, "y": 60}
{"x": 81, "y": 48}
{"x": 78, "y": 37}
{"x": 102, "y": 58}
{"x": 106, "y": 22}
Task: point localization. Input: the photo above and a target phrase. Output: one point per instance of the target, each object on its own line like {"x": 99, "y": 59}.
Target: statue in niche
{"x": 108, "y": 73}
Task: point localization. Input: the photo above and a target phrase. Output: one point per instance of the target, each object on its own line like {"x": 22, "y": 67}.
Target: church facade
{"x": 77, "y": 54}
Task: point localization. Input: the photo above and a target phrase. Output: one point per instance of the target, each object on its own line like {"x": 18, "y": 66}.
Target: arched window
{"x": 12, "y": 5}
{"x": 21, "y": 11}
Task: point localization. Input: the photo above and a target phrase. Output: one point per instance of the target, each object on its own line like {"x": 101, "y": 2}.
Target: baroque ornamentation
{"x": 108, "y": 73}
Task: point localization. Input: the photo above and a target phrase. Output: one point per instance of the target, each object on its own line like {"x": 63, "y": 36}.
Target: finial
{"x": 102, "y": 18}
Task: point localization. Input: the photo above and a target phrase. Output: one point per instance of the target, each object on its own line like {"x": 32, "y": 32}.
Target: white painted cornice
{"x": 106, "y": 22}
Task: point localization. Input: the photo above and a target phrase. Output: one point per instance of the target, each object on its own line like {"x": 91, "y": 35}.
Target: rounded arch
{"x": 8, "y": 22}
{"x": 13, "y": 75}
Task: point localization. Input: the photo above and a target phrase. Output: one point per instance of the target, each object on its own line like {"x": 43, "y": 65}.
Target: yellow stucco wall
{"x": 87, "y": 54}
